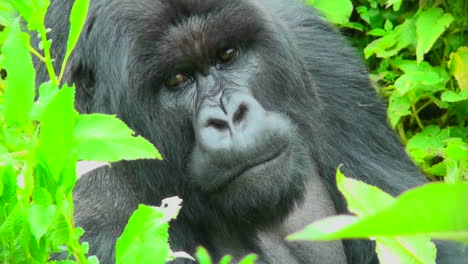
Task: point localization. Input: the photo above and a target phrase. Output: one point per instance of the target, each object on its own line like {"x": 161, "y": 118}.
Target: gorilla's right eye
{"x": 176, "y": 80}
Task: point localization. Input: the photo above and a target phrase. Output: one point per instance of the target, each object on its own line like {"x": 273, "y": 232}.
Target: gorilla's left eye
{"x": 176, "y": 80}
{"x": 227, "y": 55}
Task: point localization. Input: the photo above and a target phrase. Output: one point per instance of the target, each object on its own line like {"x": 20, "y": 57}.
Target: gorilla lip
{"x": 265, "y": 162}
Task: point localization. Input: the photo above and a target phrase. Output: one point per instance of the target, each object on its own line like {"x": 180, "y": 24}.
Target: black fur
{"x": 307, "y": 95}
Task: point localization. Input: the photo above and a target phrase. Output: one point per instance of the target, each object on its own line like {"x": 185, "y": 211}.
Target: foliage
{"x": 41, "y": 141}
{"x": 204, "y": 258}
{"x": 418, "y": 55}
{"x": 145, "y": 239}
{"x": 400, "y": 236}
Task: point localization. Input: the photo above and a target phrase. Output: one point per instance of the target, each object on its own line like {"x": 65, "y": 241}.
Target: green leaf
{"x": 362, "y": 199}
{"x": 405, "y": 250}
{"x": 420, "y": 77}
{"x": 337, "y": 11}
{"x": 47, "y": 91}
{"x": 106, "y": 138}
{"x": 436, "y": 218}
{"x": 398, "y": 107}
{"x": 457, "y": 149}
{"x": 459, "y": 67}
{"x": 25, "y": 8}
{"x": 451, "y": 96}
{"x": 145, "y": 238}
{"x": 19, "y": 95}
{"x": 428, "y": 143}
{"x": 250, "y": 259}
{"x": 430, "y": 25}
{"x": 55, "y": 137}
{"x": 395, "y": 3}
{"x": 203, "y": 256}
{"x": 389, "y": 45}
{"x": 40, "y": 218}
{"x": 77, "y": 20}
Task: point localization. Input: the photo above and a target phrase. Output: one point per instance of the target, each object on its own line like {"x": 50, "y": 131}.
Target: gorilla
{"x": 253, "y": 104}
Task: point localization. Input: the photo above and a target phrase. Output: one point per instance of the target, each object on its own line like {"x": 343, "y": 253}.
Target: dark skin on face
{"x": 253, "y": 104}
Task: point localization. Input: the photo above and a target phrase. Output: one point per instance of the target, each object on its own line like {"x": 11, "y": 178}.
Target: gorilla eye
{"x": 227, "y": 55}
{"x": 176, "y": 80}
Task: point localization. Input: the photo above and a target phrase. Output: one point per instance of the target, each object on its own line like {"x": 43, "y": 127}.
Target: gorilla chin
{"x": 253, "y": 104}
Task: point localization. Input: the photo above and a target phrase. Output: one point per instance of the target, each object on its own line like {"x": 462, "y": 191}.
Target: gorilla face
{"x": 253, "y": 104}
{"x": 214, "y": 76}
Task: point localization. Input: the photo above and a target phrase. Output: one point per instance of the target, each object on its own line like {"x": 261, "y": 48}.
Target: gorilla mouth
{"x": 271, "y": 162}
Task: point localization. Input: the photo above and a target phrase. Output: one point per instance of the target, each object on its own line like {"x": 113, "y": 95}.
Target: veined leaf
{"x": 101, "y": 137}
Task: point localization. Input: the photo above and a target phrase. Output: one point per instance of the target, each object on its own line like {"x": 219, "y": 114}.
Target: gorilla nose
{"x": 232, "y": 122}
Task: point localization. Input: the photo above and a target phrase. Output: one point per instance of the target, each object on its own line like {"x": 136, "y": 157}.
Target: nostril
{"x": 217, "y": 123}
{"x": 240, "y": 114}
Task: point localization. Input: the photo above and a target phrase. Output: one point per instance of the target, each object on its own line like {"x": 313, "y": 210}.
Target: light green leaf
{"x": 436, "y": 218}
{"x": 389, "y": 45}
{"x": 406, "y": 250}
{"x": 145, "y": 238}
{"x": 55, "y": 137}
{"x": 430, "y": 25}
{"x": 250, "y": 259}
{"x": 459, "y": 66}
{"x": 337, "y": 11}
{"x": 395, "y": 3}
{"x": 77, "y": 20}
{"x": 106, "y": 138}
{"x": 40, "y": 218}
{"x": 19, "y": 95}
{"x": 398, "y": 107}
{"x": 451, "y": 96}
{"x": 203, "y": 256}
{"x": 428, "y": 143}
{"x": 420, "y": 77}
{"x": 362, "y": 199}
{"x": 47, "y": 91}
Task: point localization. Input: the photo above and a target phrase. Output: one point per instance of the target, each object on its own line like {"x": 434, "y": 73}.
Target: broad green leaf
{"x": 6, "y": 14}
{"x": 77, "y": 20}
{"x": 56, "y": 133}
{"x": 337, "y": 11}
{"x": 40, "y": 218}
{"x": 24, "y": 8}
{"x": 398, "y": 107}
{"x": 250, "y": 259}
{"x": 145, "y": 238}
{"x": 226, "y": 260}
{"x": 437, "y": 218}
{"x": 451, "y": 96}
{"x": 389, "y": 45}
{"x": 453, "y": 171}
{"x": 19, "y": 95}
{"x": 8, "y": 195}
{"x": 459, "y": 67}
{"x": 365, "y": 201}
{"x": 405, "y": 250}
{"x": 105, "y": 138}
{"x": 203, "y": 256}
{"x": 47, "y": 91}
{"x": 36, "y": 21}
{"x": 420, "y": 77}
{"x": 428, "y": 143}
{"x": 395, "y": 3}
{"x": 456, "y": 149}
{"x": 362, "y": 199}
{"x": 430, "y": 25}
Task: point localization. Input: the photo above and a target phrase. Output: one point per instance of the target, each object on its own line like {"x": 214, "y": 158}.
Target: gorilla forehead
{"x": 187, "y": 31}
